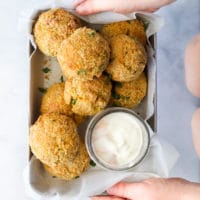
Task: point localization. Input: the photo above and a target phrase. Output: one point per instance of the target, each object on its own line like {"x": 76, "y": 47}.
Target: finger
{"x": 151, "y": 10}
{"x": 86, "y": 7}
{"x": 78, "y": 2}
{"x": 125, "y": 190}
{"x": 95, "y": 6}
{"x": 106, "y": 198}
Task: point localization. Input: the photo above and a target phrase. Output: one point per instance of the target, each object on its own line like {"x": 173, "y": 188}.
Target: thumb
{"x": 125, "y": 190}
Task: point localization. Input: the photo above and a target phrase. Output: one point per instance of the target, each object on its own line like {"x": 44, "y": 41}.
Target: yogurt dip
{"x": 119, "y": 139}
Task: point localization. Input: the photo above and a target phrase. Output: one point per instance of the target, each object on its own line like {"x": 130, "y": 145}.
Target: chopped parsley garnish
{"x": 115, "y": 95}
{"x": 42, "y": 90}
{"x": 125, "y": 98}
{"x": 81, "y": 72}
{"x": 62, "y": 79}
{"x": 119, "y": 84}
{"x": 73, "y": 102}
{"x": 92, "y": 34}
{"x": 92, "y": 163}
{"x": 46, "y": 70}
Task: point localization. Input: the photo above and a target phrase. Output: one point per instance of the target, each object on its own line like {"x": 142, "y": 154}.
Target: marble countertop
{"x": 175, "y": 104}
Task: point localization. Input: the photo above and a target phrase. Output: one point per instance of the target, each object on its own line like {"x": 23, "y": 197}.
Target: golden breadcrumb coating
{"x": 84, "y": 55}
{"x": 54, "y": 139}
{"x": 88, "y": 97}
{"x": 53, "y": 101}
{"x": 52, "y": 27}
{"x": 137, "y": 30}
{"x": 114, "y": 29}
{"x": 128, "y": 59}
{"x": 133, "y": 28}
{"x": 72, "y": 169}
{"x": 130, "y": 94}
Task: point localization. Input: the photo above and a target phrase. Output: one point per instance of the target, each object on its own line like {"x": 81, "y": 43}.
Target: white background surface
{"x": 175, "y": 104}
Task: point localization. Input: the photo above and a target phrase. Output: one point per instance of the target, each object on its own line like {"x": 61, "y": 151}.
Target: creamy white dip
{"x": 117, "y": 139}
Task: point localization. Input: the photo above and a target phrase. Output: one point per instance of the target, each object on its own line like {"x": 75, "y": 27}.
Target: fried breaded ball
{"x": 88, "y": 97}
{"x": 84, "y": 55}
{"x": 52, "y": 27}
{"x": 114, "y": 29}
{"x": 54, "y": 139}
{"x": 137, "y": 30}
{"x": 133, "y": 28}
{"x": 53, "y": 101}
{"x": 130, "y": 94}
{"x": 72, "y": 169}
{"x": 129, "y": 59}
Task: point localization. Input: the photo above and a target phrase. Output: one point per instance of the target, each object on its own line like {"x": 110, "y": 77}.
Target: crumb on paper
{"x": 46, "y": 77}
{"x": 45, "y": 62}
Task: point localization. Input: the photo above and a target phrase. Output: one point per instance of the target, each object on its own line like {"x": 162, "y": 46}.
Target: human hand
{"x": 86, "y": 7}
{"x": 154, "y": 189}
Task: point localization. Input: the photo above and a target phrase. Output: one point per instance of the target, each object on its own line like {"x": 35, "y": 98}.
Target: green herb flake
{"x": 92, "y": 163}
{"x": 42, "y": 90}
{"x": 77, "y": 177}
{"x": 46, "y": 70}
{"x": 119, "y": 84}
{"x": 73, "y": 101}
{"x": 125, "y": 98}
{"x": 61, "y": 79}
{"x": 115, "y": 95}
{"x": 81, "y": 72}
{"x": 128, "y": 21}
{"x": 92, "y": 34}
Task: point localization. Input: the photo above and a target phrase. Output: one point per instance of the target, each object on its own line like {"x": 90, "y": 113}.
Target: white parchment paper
{"x": 40, "y": 185}
{"x": 161, "y": 156}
